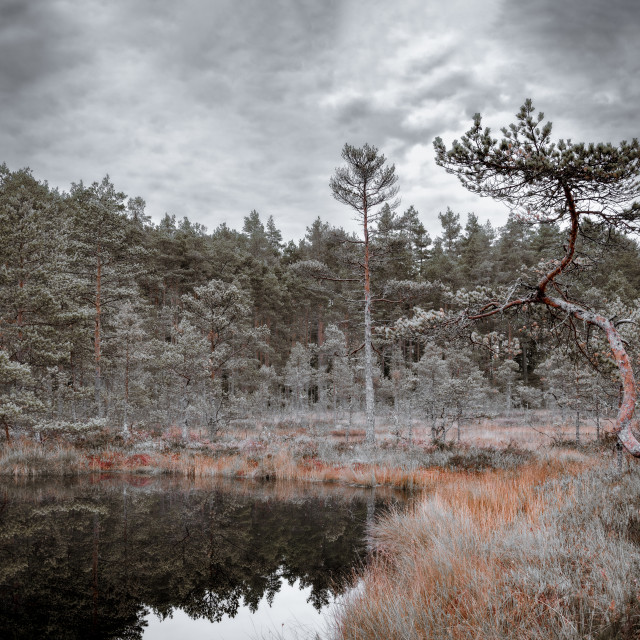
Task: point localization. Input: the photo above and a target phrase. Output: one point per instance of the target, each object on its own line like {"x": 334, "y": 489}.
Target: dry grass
{"x": 25, "y": 458}
{"x": 527, "y": 429}
{"x": 269, "y": 452}
{"x": 532, "y": 554}
{"x": 515, "y": 541}
{"x": 409, "y": 468}
{"x": 308, "y": 449}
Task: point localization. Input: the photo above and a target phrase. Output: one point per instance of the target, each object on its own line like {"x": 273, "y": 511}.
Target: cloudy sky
{"x": 212, "y": 108}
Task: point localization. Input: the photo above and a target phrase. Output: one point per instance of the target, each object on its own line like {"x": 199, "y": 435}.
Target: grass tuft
{"x": 540, "y": 554}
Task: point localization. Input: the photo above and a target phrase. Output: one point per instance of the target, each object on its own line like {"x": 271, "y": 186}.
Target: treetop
{"x": 530, "y": 172}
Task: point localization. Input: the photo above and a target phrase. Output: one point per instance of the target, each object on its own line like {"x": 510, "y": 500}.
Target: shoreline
{"x": 405, "y": 467}
{"x": 500, "y": 542}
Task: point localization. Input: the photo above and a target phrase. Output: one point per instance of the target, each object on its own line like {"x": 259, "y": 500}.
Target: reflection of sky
{"x": 290, "y": 616}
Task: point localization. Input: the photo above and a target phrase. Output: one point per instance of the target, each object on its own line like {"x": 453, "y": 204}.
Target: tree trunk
{"x": 627, "y": 406}
{"x": 619, "y": 449}
{"x": 185, "y": 406}
{"x": 125, "y": 425}
{"x": 396, "y": 410}
{"x": 368, "y": 373}
{"x": 396, "y": 422}
{"x": 60, "y": 392}
{"x": 97, "y": 334}
{"x": 368, "y": 350}
{"x": 73, "y": 387}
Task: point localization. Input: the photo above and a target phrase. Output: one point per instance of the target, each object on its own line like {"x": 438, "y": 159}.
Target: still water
{"x": 150, "y": 558}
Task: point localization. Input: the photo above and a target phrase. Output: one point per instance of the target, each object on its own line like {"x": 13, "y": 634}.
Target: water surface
{"x": 132, "y": 557}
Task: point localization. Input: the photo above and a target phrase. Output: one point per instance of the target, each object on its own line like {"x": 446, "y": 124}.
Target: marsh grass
{"x": 278, "y": 456}
{"x": 25, "y": 458}
{"x": 541, "y": 554}
{"x": 508, "y": 541}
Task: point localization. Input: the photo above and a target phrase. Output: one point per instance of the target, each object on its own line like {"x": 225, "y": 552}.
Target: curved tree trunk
{"x": 627, "y": 379}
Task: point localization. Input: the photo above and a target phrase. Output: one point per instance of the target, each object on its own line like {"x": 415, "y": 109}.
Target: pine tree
{"x": 18, "y": 400}
{"x": 36, "y": 302}
{"x": 187, "y": 359}
{"x": 221, "y": 312}
{"x": 451, "y": 229}
{"x": 129, "y": 336}
{"x": 419, "y": 238}
{"x": 476, "y": 252}
{"x": 364, "y": 184}
{"x": 339, "y": 373}
{"x": 298, "y": 375}
{"x": 551, "y": 182}
{"x": 103, "y": 261}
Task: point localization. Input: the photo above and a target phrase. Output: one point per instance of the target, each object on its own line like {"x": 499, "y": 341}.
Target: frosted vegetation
{"x": 112, "y": 324}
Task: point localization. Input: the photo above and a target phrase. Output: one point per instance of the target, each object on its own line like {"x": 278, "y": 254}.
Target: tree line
{"x": 107, "y": 319}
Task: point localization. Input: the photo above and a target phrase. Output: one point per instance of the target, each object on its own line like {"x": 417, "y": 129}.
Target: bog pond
{"x": 149, "y": 558}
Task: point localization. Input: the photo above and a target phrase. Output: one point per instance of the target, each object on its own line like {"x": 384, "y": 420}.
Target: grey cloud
{"x": 578, "y": 52}
{"x": 577, "y": 32}
{"x": 210, "y": 108}
{"x": 33, "y": 39}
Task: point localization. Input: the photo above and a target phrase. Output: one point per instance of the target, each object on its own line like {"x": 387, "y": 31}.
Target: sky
{"x": 212, "y": 108}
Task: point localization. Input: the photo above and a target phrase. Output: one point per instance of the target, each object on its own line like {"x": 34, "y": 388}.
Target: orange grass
{"x": 480, "y": 557}
{"x": 276, "y": 463}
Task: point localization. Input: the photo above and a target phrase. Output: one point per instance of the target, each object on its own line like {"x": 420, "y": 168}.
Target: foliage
{"x": 196, "y": 329}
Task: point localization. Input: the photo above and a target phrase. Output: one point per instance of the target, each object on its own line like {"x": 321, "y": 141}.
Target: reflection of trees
{"x": 89, "y": 562}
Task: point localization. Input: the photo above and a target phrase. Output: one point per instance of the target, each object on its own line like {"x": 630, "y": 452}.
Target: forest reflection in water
{"x": 93, "y": 557}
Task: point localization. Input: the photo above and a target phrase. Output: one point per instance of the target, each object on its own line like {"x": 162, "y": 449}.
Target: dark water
{"x": 130, "y": 557}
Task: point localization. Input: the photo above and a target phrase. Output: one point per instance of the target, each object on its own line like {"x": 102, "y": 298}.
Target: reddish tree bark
{"x": 551, "y": 182}
{"x": 629, "y": 395}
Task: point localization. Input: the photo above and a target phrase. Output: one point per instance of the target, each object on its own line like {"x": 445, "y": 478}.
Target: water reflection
{"x": 93, "y": 557}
